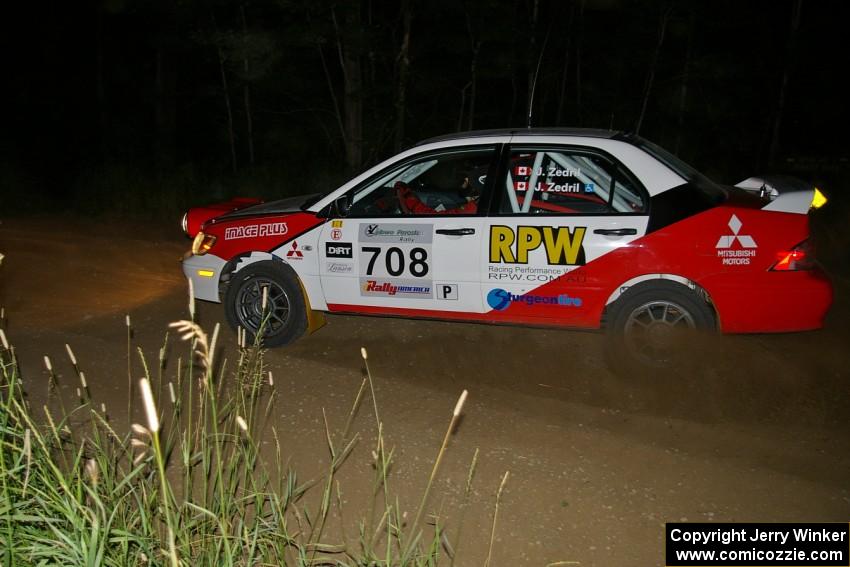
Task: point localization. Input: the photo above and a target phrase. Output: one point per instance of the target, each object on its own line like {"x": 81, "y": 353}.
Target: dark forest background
{"x": 148, "y": 106}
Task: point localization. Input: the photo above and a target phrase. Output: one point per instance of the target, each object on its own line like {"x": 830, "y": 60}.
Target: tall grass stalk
{"x": 495, "y": 519}
{"x": 129, "y": 369}
{"x": 414, "y": 535}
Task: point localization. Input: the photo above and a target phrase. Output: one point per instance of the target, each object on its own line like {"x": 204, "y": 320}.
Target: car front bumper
{"x": 205, "y": 273}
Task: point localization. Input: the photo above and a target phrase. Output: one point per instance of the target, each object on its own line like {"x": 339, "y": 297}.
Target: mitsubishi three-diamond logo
{"x": 741, "y": 254}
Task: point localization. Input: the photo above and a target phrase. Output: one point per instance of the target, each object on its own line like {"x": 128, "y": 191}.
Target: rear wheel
{"x": 284, "y": 313}
{"x": 656, "y": 327}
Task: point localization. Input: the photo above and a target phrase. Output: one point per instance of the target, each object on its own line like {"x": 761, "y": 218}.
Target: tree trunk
{"x": 353, "y": 86}
{"x": 563, "y": 92}
{"x": 579, "y": 26}
{"x": 332, "y": 91}
{"x": 790, "y": 61}
{"x": 403, "y": 68}
{"x": 99, "y": 87}
{"x": 514, "y": 96}
{"x": 473, "y": 85}
{"x": 462, "y": 106}
{"x": 650, "y": 78}
{"x": 246, "y": 91}
{"x": 532, "y": 44}
{"x": 329, "y": 81}
{"x": 165, "y": 109}
{"x": 230, "y": 131}
{"x": 683, "y": 92}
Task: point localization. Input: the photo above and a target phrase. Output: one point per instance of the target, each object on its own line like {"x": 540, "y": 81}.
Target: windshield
{"x": 313, "y": 199}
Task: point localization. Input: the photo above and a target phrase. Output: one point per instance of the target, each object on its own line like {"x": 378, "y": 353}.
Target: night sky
{"x": 129, "y": 97}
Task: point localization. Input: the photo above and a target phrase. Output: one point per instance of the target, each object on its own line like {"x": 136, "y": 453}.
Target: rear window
{"x": 712, "y": 193}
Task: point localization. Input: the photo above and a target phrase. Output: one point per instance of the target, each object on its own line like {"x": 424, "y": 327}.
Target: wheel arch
{"x": 648, "y": 279}
{"x": 315, "y": 319}
{"x": 241, "y": 261}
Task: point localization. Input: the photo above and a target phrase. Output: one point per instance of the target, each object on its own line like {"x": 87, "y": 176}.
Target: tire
{"x": 657, "y": 327}
{"x": 286, "y": 312}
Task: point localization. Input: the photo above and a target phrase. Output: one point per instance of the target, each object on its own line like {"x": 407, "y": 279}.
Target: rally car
{"x": 547, "y": 227}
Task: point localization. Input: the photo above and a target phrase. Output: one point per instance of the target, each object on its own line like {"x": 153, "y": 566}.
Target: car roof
{"x": 579, "y": 132}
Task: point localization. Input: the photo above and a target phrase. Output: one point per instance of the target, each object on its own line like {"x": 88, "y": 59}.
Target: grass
{"x": 189, "y": 486}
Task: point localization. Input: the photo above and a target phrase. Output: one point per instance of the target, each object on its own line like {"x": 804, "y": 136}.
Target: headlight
{"x": 184, "y": 223}
{"x": 202, "y": 243}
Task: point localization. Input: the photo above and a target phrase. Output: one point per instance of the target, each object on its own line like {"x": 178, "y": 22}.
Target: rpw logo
{"x": 745, "y": 240}
{"x": 736, "y": 257}
{"x": 295, "y": 253}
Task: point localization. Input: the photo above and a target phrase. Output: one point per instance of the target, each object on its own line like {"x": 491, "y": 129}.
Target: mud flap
{"x": 315, "y": 319}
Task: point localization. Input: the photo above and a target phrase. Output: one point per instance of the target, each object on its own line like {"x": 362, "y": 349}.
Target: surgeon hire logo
{"x": 500, "y": 299}
{"x": 736, "y": 256}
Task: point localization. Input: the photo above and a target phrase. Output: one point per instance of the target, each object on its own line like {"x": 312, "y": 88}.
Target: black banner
{"x": 758, "y": 545}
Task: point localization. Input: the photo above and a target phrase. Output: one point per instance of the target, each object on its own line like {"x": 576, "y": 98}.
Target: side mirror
{"x": 342, "y": 205}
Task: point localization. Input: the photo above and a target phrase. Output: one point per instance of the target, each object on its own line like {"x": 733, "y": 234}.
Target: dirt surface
{"x": 597, "y": 462}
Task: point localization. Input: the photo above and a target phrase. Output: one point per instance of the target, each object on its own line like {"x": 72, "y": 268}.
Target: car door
{"x": 557, "y": 210}
{"x": 410, "y": 243}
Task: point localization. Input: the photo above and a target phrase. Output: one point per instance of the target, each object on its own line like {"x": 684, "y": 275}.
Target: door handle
{"x": 616, "y": 231}
{"x": 456, "y": 231}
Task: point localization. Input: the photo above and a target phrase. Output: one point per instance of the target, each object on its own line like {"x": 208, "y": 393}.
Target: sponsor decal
{"x": 393, "y": 261}
{"x": 552, "y": 187}
{"x": 396, "y": 288}
{"x": 339, "y": 268}
{"x": 550, "y": 171}
{"x": 396, "y": 233}
{"x": 336, "y": 234}
{"x": 255, "y": 230}
{"x": 523, "y": 273}
{"x": 336, "y": 224}
{"x": 562, "y": 245}
{"x": 500, "y": 299}
{"x": 731, "y": 255}
{"x": 447, "y": 291}
{"x": 339, "y": 250}
{"x": 294, "y": 253}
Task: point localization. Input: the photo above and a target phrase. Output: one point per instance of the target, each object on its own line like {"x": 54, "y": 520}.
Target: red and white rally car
{"x": 568, "y": 228}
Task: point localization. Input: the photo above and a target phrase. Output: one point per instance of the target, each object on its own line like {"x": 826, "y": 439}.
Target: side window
{"x": 436, "y": 184}
{"x": 567, "y": 181}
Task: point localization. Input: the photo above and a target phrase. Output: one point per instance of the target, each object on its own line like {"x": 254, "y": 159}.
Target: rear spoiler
{"x": 784, "y": 193}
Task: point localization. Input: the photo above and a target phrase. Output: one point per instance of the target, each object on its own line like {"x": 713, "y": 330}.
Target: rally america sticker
{"x": 412, "y": 289}
{"x": 255, "y": 230}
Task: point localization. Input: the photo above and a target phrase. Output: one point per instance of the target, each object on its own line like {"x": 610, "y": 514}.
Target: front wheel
{"x": 656, "y": 327}
{"x": 284, "y": 317}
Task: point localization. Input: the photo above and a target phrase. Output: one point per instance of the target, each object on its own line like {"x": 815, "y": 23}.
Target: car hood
{"x": 281, "y": 206}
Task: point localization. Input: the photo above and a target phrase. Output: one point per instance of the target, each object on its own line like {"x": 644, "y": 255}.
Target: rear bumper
{"x": 205, "y": 273}
{"x": 772, "y": 302}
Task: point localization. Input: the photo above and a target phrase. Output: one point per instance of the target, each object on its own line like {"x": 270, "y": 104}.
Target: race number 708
{"x": 394, "y": 261}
